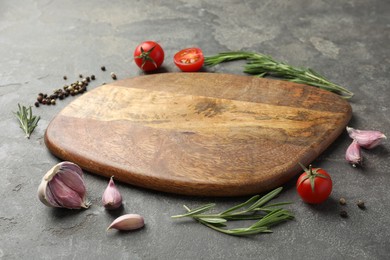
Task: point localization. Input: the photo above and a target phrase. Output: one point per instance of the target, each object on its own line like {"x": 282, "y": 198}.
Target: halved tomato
{"x": 189, "y": 60}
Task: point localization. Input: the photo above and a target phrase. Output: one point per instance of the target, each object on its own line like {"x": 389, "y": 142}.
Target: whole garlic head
{"x": 63, "y": 187}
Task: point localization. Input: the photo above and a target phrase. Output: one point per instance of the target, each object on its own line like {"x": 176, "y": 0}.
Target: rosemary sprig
{"x": 252, "y": 209}
{"x": 27, "y": 121}
{"x": 263, "y": 65}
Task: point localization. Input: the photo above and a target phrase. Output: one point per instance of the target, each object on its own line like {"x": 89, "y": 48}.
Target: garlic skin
{"x": 366, "y": 138}
{"x": 353, "y": 154}
{"x": 111, "y": 198}
{"x": 63, "y": 187}
{"x": 128, "y": 222}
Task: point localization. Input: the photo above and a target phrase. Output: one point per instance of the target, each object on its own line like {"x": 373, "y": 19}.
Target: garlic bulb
{"x": 63, "y": 187}
{"x": 128, "y": 222}
{"x": 366, "y": 138}
{"x": 111, "y": 198}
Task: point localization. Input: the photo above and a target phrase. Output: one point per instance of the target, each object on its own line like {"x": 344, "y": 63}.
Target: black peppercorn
{"x": 36, "y": 104}
{"x": 360, "y": 204}
{"x": 81, "y": 76}
{"x": 343, "y": 214}
{"x": 40, "y": 98}
{"x": 103, "y": 68}
{"x": 93, "y": 77}
{"x": 65, "y": 77}
{"x": 88, "y": 79}
{"x": 113, "y": 76}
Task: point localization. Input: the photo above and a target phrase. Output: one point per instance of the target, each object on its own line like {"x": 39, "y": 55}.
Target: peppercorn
{"x": 360, "y": 204}
{"x": 36, "y": 104}
{"x": 342, "y": 201}
{"x": 44, "y": 101}
{"x": 40, "y": 98}
{"x": 65, "y": 77}
{"x": 88, "y": 79}
{"x": 53, "y": 101}
{"x": 81, "y": 76}
{"x": 113, "y": 76}
{"x": 103, "y": 68}
{"x": 343, "y": 214}
{"x": 93, "y": 77}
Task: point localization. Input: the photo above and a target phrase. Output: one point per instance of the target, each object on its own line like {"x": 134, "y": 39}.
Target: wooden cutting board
{"x": 198, "y": 133}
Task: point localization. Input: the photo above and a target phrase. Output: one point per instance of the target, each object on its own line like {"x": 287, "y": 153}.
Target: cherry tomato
{"x": 149, "y": 56}
{"x": 314, "y": 185}
{"x": 189, "y": 60}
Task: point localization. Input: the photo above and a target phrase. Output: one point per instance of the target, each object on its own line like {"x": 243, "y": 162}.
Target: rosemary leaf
{"x": 265, "y": 199}
{"x": 195, "y": 211}
{"x": 27, "y": 120}
{"x": 250, "y": 201}
{"x": 263, "y": 65}
{"x": 213, "y": 220}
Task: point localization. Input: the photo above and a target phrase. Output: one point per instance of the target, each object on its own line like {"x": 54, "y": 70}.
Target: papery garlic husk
{"x": 366, "y": 138}
{"x": 353, "y": 154}
{"x": 111, "y": 198}
{"x": 128, "y": 222}
{"x": 63, "y": 187}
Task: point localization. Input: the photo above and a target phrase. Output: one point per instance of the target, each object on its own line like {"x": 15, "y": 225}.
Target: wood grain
{"x": 198, "y": 133}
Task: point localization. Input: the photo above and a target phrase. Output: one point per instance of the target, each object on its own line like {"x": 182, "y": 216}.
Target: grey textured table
{"x": 41, "y": 41}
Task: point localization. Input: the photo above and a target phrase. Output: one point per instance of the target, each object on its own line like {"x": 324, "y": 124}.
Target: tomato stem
{"x": 145, "y": 56}
{"x": 311, "y": 175}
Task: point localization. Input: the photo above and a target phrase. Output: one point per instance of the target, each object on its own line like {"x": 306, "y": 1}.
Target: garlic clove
{"x": 63, "y": 186}
{"x": 63, "y": 195}
{"x": 366, "y": 138}
{"x": 128, "y": 222}
{"x": 73, "y": 181}
{"x": 111, "y": 199}
{"x": 45, "y": 195}
{"x": 353, "y": 154}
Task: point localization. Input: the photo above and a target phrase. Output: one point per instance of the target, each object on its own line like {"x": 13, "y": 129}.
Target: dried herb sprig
{"x": 263, "y": 65}
{"x": 27, "y": 120}
{"x": 252, "y": 209}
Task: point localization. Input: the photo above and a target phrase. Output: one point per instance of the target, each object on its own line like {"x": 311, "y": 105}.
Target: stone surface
{"x": 41, "y": 41}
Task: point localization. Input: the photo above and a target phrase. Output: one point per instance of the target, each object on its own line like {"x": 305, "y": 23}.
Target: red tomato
{"x": 314, "y": 185}
{"x": 149, "y": 56}
{"x": 189, "y": 60}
